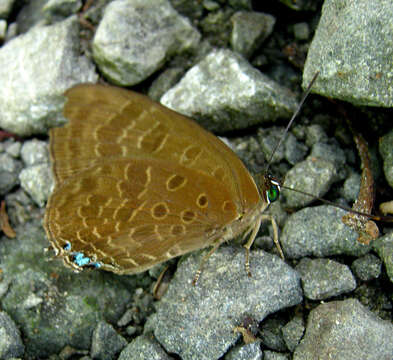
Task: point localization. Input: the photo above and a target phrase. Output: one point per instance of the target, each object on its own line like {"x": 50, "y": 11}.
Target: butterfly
{"x": 137, "y": 184}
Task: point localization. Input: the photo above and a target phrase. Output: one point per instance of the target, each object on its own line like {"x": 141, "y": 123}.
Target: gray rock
{"x": 386, "y": 151}
{"x": 69, "y": 352}
{"x": 55, "y": 10}
{"x": 250, "y": 351}
{"x": 292, "y": 332}
{"x": 350, "y": 49}
{"x": 367, "y": 267}
{"x": 216, "y": 27}
{"x": 272, "y": 355}
{"x": 384, "y": 247}
{"x": 249, "y": 30}
{"x": 31, "y": 15}
{"x": 126, "y": 54}
{"x": 144, "y": 347}
{"x": 315, "y": 134}
{"x": 12, "y": 32}
{"x": 9, "y": 172}
{"x": 35, "y": 152}
{"x": 31, "y": 92}
{"x": 351, "y": 187}
{"x": 164, "y": 82}
{"x": 301, "y": 31}
{"x": 211, "y": 5}
{"x": 191, "y": 9}
{"x": 5, "y": 8}
{"x": 240, "y": 4}
{"x": 106, "y": 342}
{"x": 3, "y": 30}
{"x": 45, "y": 12}
{"x": 11, "y": 345}
{"x": 37, "y": 181}
{"x": 53, "y": 306}
{"x": 20, "y": 207}
{"x": 324, "y": 278}
{"x": 9, "y": 164}
{"x": 314, "y": 176}
{"x": 4, "y": 285}
{"x": 205, "y": 93}
{"x": 271, "y": 334}
{"x": 336, "y": 329}
{"x": 268, "y": 139}
{"x": 318, "y": 231}
{"x": 126, "y": 318}
{"x": 189, "y": 320}
{"x": 295, "y": 151}
{"x": 13, "y": 148}
{"x": 330, "y": 152}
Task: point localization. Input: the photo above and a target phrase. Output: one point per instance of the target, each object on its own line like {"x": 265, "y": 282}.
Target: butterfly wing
{"x": 108, "y": 122}
{"x": 137, "y": 184}
{"x": 131, "y": 214}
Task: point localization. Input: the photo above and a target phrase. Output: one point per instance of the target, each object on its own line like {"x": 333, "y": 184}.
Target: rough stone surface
{"x": 384, "y": 247}
{"x": 5, "y": 8}
{"x": 35, "y": 152}
{"x": 272, "y": 355}
{"x": 318, "y": 231}
{"x": 271, "y": 334}
{"x": 144, "y": 347}
{"x": 345, "y": 330}
{"x": 314, "y": 176}
{"x": 37, "y": 181}
{"x": 352, "y": 49}
{"x": 385, "y": 149}
{"x": 106, "y": 342}
{"x": 293, "y": 332}
{"x": 45, "y": 295}
{"x": 31, "y": 92}
{"x": 246, "y": 352}
{"x": 127, "y": 54}
{"x": 324, "y": 278}
{"x": 205, "y": 94}
{"x": 9, "y": 172}
{"x": 249, "y": 30}
{"x": 189, "y": 320}
{"x": 11, "y": 345}
{"x": 367, "y": 267}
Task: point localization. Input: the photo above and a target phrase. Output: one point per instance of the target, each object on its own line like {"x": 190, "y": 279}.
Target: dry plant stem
{"x": 158, "y": 283}
{"x": 366, "y": 228}
{"x": 4, "y": 221}
{"x": 248, "y": 337}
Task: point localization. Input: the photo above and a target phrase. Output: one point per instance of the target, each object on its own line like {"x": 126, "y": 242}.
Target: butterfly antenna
{"x": 304, "y": 97}
{"x": 347, "y": 208}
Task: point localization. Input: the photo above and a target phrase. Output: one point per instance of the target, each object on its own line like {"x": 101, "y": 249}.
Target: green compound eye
{"x": 273, "y": 193}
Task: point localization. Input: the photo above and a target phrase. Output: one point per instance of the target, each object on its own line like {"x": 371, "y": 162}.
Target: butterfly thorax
{"x": 250, "y": 220}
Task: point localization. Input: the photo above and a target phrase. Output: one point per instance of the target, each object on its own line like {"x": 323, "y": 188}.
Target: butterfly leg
{"x": 254, "y": 234}
{"x": 250, "y": 241}
{"x": 275, "y": 233}
{"x": 203, "y": 262}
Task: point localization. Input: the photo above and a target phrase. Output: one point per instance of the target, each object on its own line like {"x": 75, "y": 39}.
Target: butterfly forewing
{"x": 107, "y": 122}
{"x": 137, "y": 184}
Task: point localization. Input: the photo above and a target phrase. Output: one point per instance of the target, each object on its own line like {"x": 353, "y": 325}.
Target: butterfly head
{"x": 269, "y": 188}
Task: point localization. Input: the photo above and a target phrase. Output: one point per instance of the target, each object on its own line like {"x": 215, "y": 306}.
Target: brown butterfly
{"x": 137, "y": 184}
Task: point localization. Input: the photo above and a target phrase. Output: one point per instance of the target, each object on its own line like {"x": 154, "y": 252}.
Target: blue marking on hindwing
{"x": 80, "y": 259}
